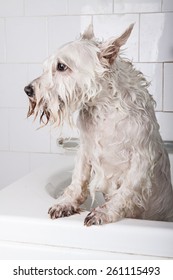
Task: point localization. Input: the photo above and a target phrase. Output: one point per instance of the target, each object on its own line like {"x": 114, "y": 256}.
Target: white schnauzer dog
{"x": 121, "y": 152}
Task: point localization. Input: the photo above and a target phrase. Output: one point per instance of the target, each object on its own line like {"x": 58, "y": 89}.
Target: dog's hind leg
{"x": 76, "y": 193}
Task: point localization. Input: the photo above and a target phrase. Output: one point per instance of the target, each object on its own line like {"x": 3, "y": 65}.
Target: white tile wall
{"x": 25, "y": 135}
{"x": 90, "y": 6}
{"x": 13, "y": 166}
{"x": 2, "y": 41}
{"x": 155, "y": 39}
{"x": 168, "y": 86}
{"x": 167, "y": 6}
{"x": 4, "y": 129}
{"x": 134, "y": 6}
{"x": 10, "y": 8}
{"x": 30, "y": 30}
{"x": 165, "y": 121}
{"x": 34, "y": 71}
{"x": 26, "y": 39}
{"x": 13, "y": 78}
{"x": 45, "y": 7}
{"x": 72, "y": 27}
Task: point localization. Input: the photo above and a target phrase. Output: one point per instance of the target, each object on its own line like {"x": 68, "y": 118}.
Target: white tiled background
{"x": 31, "y": 29}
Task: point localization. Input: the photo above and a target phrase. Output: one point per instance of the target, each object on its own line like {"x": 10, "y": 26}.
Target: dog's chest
{"x": 100, "y": 141}
{"x": 98, "y": 130}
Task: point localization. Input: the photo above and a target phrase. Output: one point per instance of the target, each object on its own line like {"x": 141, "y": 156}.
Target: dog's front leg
{"x": 117, "y": 207}
{"x": 129, "y": 200}
{"x": 76, "y": 193}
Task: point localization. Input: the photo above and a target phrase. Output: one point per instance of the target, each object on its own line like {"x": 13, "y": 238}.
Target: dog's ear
{"x": 110, "y": 48}
{"x": 88, "y": 33}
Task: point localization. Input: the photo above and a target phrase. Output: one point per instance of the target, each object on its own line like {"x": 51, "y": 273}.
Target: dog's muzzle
{"x": 29, "y": 90}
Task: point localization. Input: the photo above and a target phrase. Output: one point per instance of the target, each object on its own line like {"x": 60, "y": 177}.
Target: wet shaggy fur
{"x": 121, "y": 151}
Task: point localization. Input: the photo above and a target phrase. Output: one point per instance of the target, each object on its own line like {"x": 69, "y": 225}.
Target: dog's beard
{"x": 46, "y": 115}
{"x": 32, "y": 105}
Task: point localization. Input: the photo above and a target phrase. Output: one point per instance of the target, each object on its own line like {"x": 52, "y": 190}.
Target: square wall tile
{"x": 26, "y": 39}
{"x": 4, "y": 129}
{"x": 108, "y": 26}
{"x": 25, "y": 135}
{"x": 2, "y": 41}
{"x": 165, "y": 121}
{"x": 72, "y": 27}
{"x": 153, "y": 74}
{"x": 168, "y": 87}
{"x": 134, "y": 6}
{"x": 155, "y": 37}
{"x": 11, "y": 8}
{"x": 13, "y": 78}
{"x": 90, "y": 6}
{"x": 45, "y": 7}
{"x": 167, "y": 6}
{"x": 13, "y": 166}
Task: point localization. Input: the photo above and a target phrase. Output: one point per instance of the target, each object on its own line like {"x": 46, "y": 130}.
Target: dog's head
{"x": 73, "y": 76}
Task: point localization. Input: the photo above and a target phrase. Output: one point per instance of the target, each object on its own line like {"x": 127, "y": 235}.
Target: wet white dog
{"x": 121, "y": 151}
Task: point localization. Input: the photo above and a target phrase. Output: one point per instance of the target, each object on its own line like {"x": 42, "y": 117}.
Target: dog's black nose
{"x": 29, "y": 90}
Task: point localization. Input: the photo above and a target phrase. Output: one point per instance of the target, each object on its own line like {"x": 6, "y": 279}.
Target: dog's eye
{"x": 61, "y": 67}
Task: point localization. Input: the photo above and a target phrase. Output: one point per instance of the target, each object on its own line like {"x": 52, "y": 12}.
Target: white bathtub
{"x": 26, "y": 232}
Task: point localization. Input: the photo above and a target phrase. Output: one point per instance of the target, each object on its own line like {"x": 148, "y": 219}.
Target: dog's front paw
{"x": 58, "y": 211}
{"x": 96, "y": 217}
